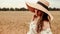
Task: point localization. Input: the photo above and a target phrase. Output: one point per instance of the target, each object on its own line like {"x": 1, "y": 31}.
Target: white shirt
{"x": 33, "y": 31}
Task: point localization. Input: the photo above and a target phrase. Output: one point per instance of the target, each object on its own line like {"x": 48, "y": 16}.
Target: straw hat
{"x": 40, "y": 5}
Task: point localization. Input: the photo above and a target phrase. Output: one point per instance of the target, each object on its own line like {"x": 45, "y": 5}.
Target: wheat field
{"x": 17, "y": 22}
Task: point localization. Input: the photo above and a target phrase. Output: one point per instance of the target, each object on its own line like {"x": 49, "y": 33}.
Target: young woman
{"x": 41, "y": 19}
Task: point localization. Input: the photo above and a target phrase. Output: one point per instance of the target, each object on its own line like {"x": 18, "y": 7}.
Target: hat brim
{"x": 39, "y": 7}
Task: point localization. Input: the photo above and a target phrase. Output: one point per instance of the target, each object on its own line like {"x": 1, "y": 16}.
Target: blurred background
{"x": 15, "y": 16}
{"x": 17, "y": 5}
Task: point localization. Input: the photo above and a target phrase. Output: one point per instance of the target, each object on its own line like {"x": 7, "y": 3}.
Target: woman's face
{"x": 38, "y": 13}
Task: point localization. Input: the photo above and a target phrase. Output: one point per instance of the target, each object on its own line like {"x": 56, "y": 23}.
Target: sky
{"x": 21, "y": 3}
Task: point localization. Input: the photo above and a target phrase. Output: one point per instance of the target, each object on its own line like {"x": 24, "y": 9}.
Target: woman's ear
{"x": 49, "y": 18}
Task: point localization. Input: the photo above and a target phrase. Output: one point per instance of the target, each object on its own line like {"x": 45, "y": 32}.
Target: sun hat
{"x": 40, "y": 5}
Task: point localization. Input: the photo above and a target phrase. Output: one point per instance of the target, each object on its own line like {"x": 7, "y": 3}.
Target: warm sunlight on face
{"x": 38, "y": 12}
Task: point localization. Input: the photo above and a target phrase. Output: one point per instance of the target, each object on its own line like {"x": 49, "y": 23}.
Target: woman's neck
{"x": 46, "y": 25}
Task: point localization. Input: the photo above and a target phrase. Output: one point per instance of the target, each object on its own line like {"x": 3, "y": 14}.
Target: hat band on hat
{"x": 42, "y": 5}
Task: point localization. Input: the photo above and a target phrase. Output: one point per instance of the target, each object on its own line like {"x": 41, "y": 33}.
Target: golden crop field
{"x": 17, "y": 22}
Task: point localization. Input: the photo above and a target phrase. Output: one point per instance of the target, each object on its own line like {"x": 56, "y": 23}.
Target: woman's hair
{"x": 44, "y": 17}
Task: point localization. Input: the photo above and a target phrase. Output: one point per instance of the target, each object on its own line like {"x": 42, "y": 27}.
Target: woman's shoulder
{"x": 32, "y": 22}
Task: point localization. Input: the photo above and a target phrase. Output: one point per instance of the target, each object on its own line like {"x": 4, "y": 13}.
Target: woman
{"x": 42, "y": 17}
